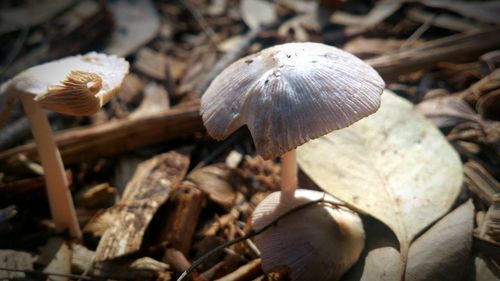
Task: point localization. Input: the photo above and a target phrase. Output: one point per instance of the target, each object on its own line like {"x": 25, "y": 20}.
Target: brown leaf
{"x": 443, "y": 251}
{"x": 380, "y": 260}
{"x": 447, "y": 111}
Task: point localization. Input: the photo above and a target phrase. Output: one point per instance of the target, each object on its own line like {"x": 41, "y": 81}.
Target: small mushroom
{"x": 287, "y": 95}
{"x": 77, "y": 85}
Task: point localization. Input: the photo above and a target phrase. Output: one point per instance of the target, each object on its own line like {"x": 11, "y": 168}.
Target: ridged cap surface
{"x": 289, "y": 94}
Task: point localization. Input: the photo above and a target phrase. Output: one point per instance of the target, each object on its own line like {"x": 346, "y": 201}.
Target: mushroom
{"x": 77, "y": 85}
{"x": 287, "y": 95}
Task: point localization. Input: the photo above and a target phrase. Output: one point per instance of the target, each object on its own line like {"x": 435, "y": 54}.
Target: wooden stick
{"x": 116, "y": 137}
{"x": 460, "y": 47}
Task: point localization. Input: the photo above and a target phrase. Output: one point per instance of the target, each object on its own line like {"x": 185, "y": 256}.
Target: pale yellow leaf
{"x": 394, "y": 165}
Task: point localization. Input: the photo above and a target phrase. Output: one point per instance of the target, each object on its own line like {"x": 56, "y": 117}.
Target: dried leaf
{"x": 380, "y": 261}
{"x": 257, "y": 12}
{"x": 137, "y": 23}
{"x": 394, "y": 165}
{"x": 443, "y": 251}
{"x": 447, "y": 111}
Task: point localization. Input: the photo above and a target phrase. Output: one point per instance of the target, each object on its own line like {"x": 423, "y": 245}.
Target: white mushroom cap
{"x": 289, "y": 94}
{"x": 77, "y": 85}
{"x": 315, "y": 243}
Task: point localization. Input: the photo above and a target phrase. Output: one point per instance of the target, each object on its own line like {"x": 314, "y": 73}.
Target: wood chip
{"x": 181, "y": 217}
{"x": 152, "y": 63}
{"x": 150, "y": 187}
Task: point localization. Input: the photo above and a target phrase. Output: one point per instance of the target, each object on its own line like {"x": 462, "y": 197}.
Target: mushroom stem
{"x": 289, "y": 172}
{"x": 60, "y": 200}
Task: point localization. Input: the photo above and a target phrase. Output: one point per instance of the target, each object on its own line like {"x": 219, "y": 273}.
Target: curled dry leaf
{"x": 394, "y": 165}
{"x": 447, "y": 111}
{"x": 443, "y": 251}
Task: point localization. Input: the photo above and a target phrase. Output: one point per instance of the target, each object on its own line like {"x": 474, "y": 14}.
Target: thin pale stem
{"x": 60, "y": 200}
{"x": 289, "y": 172}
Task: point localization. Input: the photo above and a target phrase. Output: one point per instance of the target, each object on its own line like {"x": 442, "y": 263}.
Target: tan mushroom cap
{"x": 289, "y": 94}
{"x": 77, "y": 85}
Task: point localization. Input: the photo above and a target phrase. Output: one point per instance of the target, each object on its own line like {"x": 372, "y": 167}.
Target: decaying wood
{"x": 116, "y": 137}
{"x": 453, "y": 48}
{"x": 150, "y": 187}
{"x": 181, "y": 217}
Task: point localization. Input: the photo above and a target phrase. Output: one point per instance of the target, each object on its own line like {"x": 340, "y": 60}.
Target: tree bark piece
{"x": 150, "y": 187}
{"x": 181, "y": 217}
{"x": 115, "y": 137}
{"x": 451, "y": 49}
